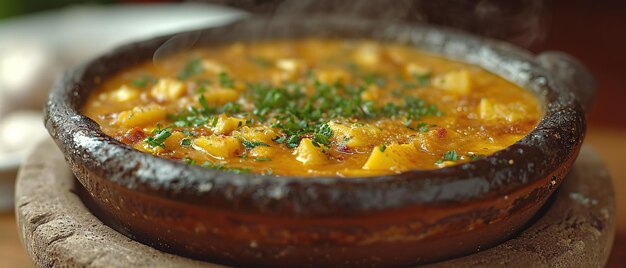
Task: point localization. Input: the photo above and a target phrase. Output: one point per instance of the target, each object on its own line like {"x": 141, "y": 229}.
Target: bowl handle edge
{"x": 573, "y": 75}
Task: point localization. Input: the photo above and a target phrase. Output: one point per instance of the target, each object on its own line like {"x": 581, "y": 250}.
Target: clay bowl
{"x": 405, "y": 219}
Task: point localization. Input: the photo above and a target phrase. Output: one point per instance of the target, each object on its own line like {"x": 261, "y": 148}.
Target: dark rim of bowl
{"x": 555, "y": 139}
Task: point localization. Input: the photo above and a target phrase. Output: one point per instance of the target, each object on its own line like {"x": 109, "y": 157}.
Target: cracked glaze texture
{"x": 409, "y": 218}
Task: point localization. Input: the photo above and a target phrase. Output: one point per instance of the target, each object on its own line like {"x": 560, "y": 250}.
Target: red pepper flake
{"x": 133, "y": 136}
{"x": 442, "y": 133}
{"x": 343, "y": 149}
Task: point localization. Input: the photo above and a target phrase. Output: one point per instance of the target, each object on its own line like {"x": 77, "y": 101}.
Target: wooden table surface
{"x": 608, "y": 141}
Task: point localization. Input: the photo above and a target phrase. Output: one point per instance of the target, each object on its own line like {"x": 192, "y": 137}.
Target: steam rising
{"x": 522, "y": 22}
{"x": 177, "y": 43}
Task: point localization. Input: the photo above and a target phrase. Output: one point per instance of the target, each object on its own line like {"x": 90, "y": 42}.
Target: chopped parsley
{"x": 201, "y": 90}
{"x": 262, "y": 159}
{"x": 217, "y": 166}
{"x": 185, "y": 142}
{"x": 189, "y": 161}
{"x": 422, "y": 127}
{"x": 422, "y": 79}
{"x": 252, "y": 144}
{"x": 188, "y": 133}
{"x": 301, "y": 115}
{"x": 322, "y": 135}
{"x": 382, "y": 148}
{"x": 203, "y": 103}
{"x": 225, "y": 80}
{"x": 220, "y": 166}
{"x": 159, "y": 136}
{"x": 280, "y": 139}
{"x": 448, "y": 156}
{"x": 261, "y": 62}
{"x": 193, "y": 67}
{"x": 143, "y": 81}
{"x": 474, "y": 156}
{"x": 373, "y": 78}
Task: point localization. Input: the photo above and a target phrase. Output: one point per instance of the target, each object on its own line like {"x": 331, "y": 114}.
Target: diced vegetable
{"x": 263, "y": 134}
{"x": 356, "y": 135}
{"x": 457, "y": 81}
{"x": 263, "y": 152}
{"x": 173, "y": 142}
{"x": 395, "y": 157}
{"x": 124, "y": 93}
{"x": 141, "y": 116}
{"x": 412, "y": 68}
{"x": 220, "y": 96}
{"x": 490, "y": 111}
{"x": 290, "y": 65}
{"x": 227, "y": 124}
{"x": 212, "y": 66}
{"x": 367, "y": 55}
{"x": 167, "y": 89}
{"x": 371, "y": 93}
{"x": 332, "y": 75}
{"x": 309, "y": 154}
{"x": 219, "y": 146}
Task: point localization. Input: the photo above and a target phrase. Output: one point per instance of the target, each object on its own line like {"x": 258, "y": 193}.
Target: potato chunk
{"x": 309, "y": 154}
{"x": 221, "y": 96}
{"x": 353, "y": 135}
{"x": 367, "y": 55}
{"x": 332, "y": 75}
{"x": 395, "y": 157}
{"x": 412, "y": 68}
{"x": 167, "y": 89}
{"x": 262, "y": 134}
{"x": 213, "y": 67}
{"x": 173, "y": 141}
{"x": 490, "y": 111}
{"x": 227, "y": 124}
{"x": 371, "y": 93}
{"x": 263, "y": 152}
{"x": 141, "y": 116}
{"x": 123, "y": 94}
{"x": 457, "y": 81}
{"x": 290, "y": 65}
{"x": 219, "y": 146}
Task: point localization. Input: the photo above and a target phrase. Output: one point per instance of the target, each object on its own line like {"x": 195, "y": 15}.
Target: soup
{"x": 313, "y": 107}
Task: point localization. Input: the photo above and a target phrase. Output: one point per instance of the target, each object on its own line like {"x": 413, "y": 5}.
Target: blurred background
{"x": 41, "y": 39}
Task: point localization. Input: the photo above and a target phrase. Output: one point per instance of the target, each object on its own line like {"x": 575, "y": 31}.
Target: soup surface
{"x": 313, "y": 107}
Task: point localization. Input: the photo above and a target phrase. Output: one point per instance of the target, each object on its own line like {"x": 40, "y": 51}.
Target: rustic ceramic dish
{"x": 410, "y": 218}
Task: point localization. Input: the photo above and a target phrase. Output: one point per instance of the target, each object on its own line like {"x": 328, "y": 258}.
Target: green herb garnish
{"x": 144, "y": 81}
{"x": 252, "y": 144}
{"x": 422, "y": 127}
{"x": 474, "y": 156}
{"x": 185, "y": 142}
{"x": 322, "y": 135}
{"x": 225, "y": 80}
{"x": 193, "y": 67}
{"x": 448, "y": 156}
{"x": 189, "y": 161}
{"x": 261, "y": 62}
{"x": 220, "y": 166}
{"x": 422, "y": 79}
{"x": 160, "y": 135}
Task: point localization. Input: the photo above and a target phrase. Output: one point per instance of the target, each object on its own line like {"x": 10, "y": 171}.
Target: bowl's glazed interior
{"x": 409, "y": 218}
